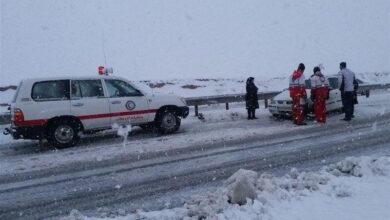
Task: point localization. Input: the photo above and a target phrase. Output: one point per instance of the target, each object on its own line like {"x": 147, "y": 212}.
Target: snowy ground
{"x": 218, "y": 126}
{"x": 355, "y": 188}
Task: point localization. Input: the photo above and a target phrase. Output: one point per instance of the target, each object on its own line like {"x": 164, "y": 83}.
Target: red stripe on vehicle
{"x": 31, "y": 122}
{"x": 38, "y": 122}
{"x": 116, "y": 114}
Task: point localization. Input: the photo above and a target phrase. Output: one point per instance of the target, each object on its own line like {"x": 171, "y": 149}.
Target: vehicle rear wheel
{"x": 63, "y": 133}
{"x": 168, "y": 122}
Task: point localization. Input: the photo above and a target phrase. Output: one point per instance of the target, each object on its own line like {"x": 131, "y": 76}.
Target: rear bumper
{"x": 184, "y": 111}
{"x": 26, "y": 132}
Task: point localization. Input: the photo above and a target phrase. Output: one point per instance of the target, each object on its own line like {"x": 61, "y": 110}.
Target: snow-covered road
{"x": 39, "y": 182}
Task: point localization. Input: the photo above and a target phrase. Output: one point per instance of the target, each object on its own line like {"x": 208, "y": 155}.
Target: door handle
{"x": 78, "y": 104}
{"x": 116, "y": 102}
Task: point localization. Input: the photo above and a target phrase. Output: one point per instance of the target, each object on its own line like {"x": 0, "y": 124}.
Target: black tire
{"x": 168, "y": 122}
{"x": 63, "y": 133}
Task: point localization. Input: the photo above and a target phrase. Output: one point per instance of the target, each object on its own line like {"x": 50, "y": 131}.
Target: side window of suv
{"x": 50, "y": 90}
{"x": 119, "y": 88}
{"x": 87, "y": 88}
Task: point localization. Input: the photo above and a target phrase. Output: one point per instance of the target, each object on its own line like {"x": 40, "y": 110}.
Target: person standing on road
{"x": 298, "y": 94}
{"x": 347, "y": 88}
{"x": 319, "y": 94}
{"x": 251, "y": 98}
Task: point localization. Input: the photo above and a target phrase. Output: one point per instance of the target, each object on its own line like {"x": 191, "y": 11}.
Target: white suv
{"x": 58, "y": 109}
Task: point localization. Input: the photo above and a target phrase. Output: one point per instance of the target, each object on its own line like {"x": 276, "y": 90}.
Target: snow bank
{"x": 270, "y": 197}
{"x": 380, "y": 77}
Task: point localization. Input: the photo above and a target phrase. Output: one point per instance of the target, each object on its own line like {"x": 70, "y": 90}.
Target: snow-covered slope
{"x": 216, "y": 86}
{"x": 374, "y": 77}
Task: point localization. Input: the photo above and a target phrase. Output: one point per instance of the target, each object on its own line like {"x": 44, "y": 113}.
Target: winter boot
{"x": 249, "y": 114}
{"x": 254, "y": 114}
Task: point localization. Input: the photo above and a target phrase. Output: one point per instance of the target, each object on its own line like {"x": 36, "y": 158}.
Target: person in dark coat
{"x": 252, "y": 101}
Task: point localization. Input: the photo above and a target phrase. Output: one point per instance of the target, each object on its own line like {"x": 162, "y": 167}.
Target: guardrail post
{"x": 227, "y": 105}
{"x": 196, "y": 110}
{"x": 266, "y": 103}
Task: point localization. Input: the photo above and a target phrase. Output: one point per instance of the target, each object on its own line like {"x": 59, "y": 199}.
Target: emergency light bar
{"x": 105, "y": 71}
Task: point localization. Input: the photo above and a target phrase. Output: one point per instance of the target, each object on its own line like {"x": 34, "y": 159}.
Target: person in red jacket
{"x": 319, "y": 94}
{"x": 298, "y": 95}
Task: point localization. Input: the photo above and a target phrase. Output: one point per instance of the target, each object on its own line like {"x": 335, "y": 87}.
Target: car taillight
{"x": 18, "y": 116}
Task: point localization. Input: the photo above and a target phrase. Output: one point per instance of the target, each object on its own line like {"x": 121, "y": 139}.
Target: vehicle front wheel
{"x": 63, "y": 133}
{"x": 168, "y": 122}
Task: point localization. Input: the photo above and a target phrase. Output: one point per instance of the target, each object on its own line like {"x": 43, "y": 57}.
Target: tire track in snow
{"x": 250, "y": 156}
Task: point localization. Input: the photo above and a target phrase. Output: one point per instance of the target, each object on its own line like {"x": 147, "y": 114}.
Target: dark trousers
{"x": 348, "y": 104}
{"x": 251, "y": 113}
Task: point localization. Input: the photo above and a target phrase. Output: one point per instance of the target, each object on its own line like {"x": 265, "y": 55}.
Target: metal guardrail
{"x": 218, "y": 99}
{"x": 373, "y": 86}
{"x": 207, "y": 100}
{"x": 232, "y": 98}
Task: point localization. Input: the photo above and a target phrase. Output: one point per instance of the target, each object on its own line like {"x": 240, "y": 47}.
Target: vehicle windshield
{"x": 333, "y": 83}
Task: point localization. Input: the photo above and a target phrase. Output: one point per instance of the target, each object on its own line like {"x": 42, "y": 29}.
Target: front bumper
{"x": 184, "y": 111}
{"x": 26, "y": 132}
{"x": 286, "y": 110}
{"x": 280, "y": 110}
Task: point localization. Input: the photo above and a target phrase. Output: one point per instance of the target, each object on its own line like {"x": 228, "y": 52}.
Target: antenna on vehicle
{"x": 103, "y": 70}
{"x": 104, "y": 48}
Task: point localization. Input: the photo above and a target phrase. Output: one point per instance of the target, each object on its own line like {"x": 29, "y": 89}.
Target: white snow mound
{"x": 267, "y": 191}
{"x": 241, "y": 185}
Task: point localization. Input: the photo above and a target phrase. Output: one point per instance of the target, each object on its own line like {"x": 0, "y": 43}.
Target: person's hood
{"x": 297, "y": 74}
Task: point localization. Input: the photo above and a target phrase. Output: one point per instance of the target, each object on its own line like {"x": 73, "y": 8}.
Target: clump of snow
{"x": 268, "y": 194}
{"x": 123, "y": 131}
{"x": 241, "y": 186}
{"x": 223, "y": 116}
{"x": 361, "y": 166}
{"x": 74, "y": 215}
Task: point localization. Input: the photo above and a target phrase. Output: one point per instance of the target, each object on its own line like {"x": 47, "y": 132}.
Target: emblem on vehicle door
{"x": 130, "y": 105}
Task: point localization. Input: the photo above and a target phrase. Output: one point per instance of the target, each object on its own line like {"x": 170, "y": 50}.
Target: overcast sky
{"x": 160, "y": 39}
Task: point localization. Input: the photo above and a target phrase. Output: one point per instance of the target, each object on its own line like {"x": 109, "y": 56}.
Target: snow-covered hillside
{"x": 217, "y": 86}
{"x": 207, "y": 87}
